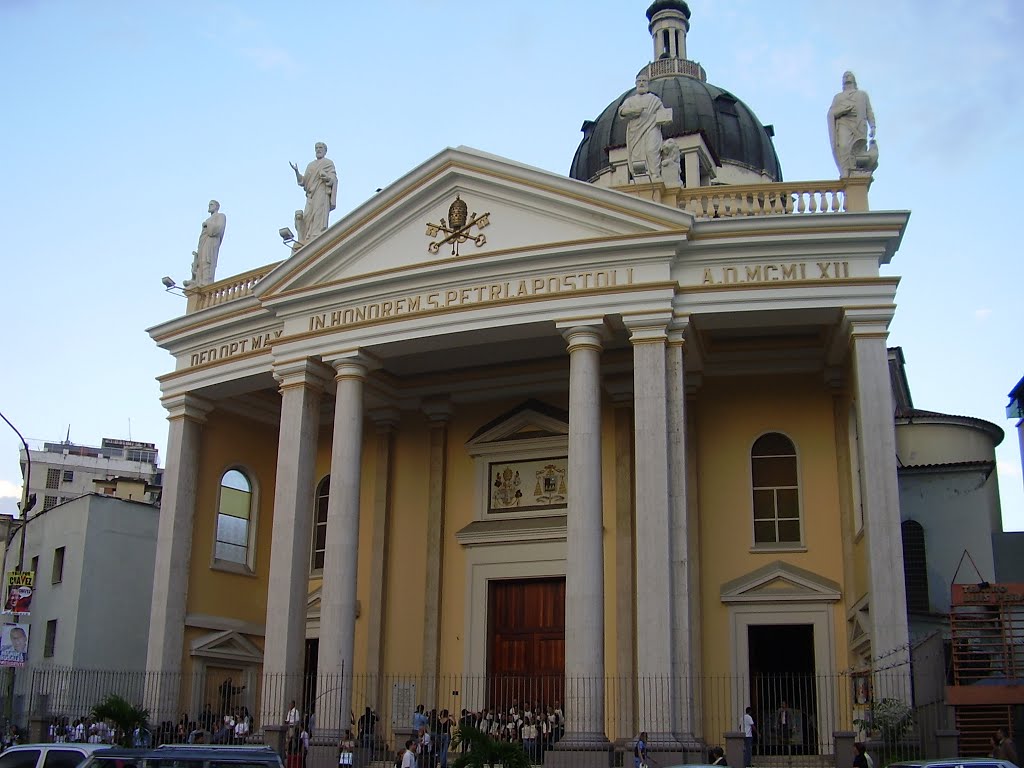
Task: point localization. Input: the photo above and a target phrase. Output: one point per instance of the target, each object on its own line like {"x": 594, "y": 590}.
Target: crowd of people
{"x": 537, "y": 728}
{"x": 89, "y": 730}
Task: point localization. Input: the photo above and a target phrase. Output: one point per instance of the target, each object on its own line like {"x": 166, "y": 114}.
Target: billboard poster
{"x": 13, "y": 645}
{"x": 20, "y": 585}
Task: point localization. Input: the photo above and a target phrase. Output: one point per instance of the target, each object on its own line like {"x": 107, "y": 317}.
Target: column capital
{"x": 437, "y": 411}
{"x": 648, "y": 327}
{"x": 620, "y": 390}
{"x": 187, "y": 406}
{"x": 351, "y": 361}
{"x": 385, "y": 419}
{"x": 304, "y": 372}
{"x": 677, "y": 330}
{"x": 585, "y": 337}
{"x": 857, "y": 324}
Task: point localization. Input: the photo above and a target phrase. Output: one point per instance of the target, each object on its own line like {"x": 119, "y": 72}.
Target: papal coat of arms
{"x": 457, "y": 227}
{"x": 507, "y": 491}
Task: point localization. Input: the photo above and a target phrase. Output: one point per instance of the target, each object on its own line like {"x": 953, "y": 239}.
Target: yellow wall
{"x": 231, "y": 442}
{"x": 731, "y": 414}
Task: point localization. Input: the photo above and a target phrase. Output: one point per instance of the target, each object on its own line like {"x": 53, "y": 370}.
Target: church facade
{"x": 625, "y": 437}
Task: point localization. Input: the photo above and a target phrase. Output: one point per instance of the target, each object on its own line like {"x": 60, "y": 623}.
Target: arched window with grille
{"x": 776, "y": 491}
{"x": 323, "y": 494}
{"x": 915, "y": 566}
{"x": 236, "y": 524}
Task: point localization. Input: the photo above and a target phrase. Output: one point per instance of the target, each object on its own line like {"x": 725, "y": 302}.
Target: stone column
{"x": 683, "y": 659}
{"x": 881, "y": 502}
{"x": 338, "y": 594}
{"x": 584, "y": 578}
{"x": 186, "y": 414}
{"x": 620, "y": 390}
{"x": 386, "y": 421}
{"x": 655, "y": 610}
{"x": 302, "y": 385}
{"x": 438, "y": 415}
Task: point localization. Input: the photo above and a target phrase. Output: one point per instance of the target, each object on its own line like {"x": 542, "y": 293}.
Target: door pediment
{"x": 780, "y": 582}
{"x": 227, "y": 645}
{"x": 530, "y": 211}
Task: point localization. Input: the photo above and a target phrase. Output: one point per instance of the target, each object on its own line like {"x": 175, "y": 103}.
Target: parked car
{"x": 950, "y": 762}
{"x": 47, "y": 755}
{"x": 186, "y": 756}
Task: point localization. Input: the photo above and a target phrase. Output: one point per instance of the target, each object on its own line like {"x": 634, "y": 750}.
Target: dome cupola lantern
{"x": 719, "y": 139}
{"x": 669, "y": 23}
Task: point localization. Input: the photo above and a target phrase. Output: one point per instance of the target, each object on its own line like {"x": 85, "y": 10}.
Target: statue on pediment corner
{"x": 851, "y": 130}
{"x": 320, "y": 181}
{"x": 204, "y": 258}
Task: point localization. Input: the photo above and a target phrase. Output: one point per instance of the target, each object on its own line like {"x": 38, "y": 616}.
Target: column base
{"x": 582, "y": 741}
{"x": 580, "y": 750}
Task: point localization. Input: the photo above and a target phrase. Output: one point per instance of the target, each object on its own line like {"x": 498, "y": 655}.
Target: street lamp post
{"x": 27, "y": 502}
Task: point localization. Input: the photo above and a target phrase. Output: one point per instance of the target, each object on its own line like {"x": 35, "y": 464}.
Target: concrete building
{"x": 949, "y": 502}
{"x": 631, "y": 446}
{"x": 62, "y": 471}
{"x": 93, "y": 559}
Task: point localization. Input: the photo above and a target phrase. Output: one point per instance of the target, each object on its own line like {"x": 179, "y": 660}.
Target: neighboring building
{"x": 66, "y": 470}
{"x": 954, "y": 547}
{"x": 93, "y": 558}
{"x": 633, "y": 452}
{"x": 949, "y": 502}
{"x": 1015, "y": 410}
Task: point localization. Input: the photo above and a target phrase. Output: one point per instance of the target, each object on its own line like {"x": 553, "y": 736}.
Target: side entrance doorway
{"x": 783, "y": 688}
{"x": 526, "y": 642}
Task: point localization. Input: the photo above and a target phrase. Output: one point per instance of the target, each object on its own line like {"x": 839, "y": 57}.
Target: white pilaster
{"x": 655, "y": 610}
{"x": 683, "y": 660}
{"x": 338, "y": 594}
{"x": 880, "y": 495}
{"x": 584, "y": 579}
{"x": 385, "y": 421}
{"x": 165, "y": 651}
{"x": 438, "y": 413}
{"x": 302, "y": 385}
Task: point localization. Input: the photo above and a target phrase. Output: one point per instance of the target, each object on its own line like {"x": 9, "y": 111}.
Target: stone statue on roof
{"x": 851, "y": 129}
{"x": 646, "y": 115}
{"x": 204, "y": 258}
{"x": 321, "y": 184}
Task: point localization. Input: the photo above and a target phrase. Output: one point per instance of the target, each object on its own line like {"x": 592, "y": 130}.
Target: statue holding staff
{"x": 321, "y": 184}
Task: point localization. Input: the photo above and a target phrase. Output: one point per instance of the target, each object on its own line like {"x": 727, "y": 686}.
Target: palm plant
{"x": 484, "y": 752}
{"x": 123, "y": 714}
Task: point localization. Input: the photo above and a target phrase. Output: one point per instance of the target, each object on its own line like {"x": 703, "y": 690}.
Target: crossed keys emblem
{"x": 456, "y": 229}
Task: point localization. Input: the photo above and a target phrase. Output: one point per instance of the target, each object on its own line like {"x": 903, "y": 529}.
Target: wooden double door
{"x": 526, "y": 642}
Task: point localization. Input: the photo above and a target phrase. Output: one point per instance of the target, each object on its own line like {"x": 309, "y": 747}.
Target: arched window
{"x": 234, "y": 519}
{"x": 915, "y": 566}
{"x": 773, "y": 469}
{"x": 323, "y": 493}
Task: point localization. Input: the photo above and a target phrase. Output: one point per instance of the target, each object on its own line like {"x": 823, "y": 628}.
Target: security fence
{"x": 796, "y": 716}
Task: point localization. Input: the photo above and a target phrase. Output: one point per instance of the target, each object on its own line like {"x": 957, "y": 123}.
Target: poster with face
{"x": 14, "y": 645}
{"x": 20, "y": 586}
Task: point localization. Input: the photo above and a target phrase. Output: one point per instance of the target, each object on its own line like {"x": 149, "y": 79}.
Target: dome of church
{"x": 731, "y": 130}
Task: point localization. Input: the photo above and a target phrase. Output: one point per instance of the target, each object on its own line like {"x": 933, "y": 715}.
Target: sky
{"x": 131, "y": 116}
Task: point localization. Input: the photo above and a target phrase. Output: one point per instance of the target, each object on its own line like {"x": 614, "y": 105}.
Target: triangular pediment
{"x": 531, "y": 212}
{"x": 226, "y": 644}
{"x": 532, "y": 421}
{"x": 780, "y": 582}
{"x": 313, "y": 604}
